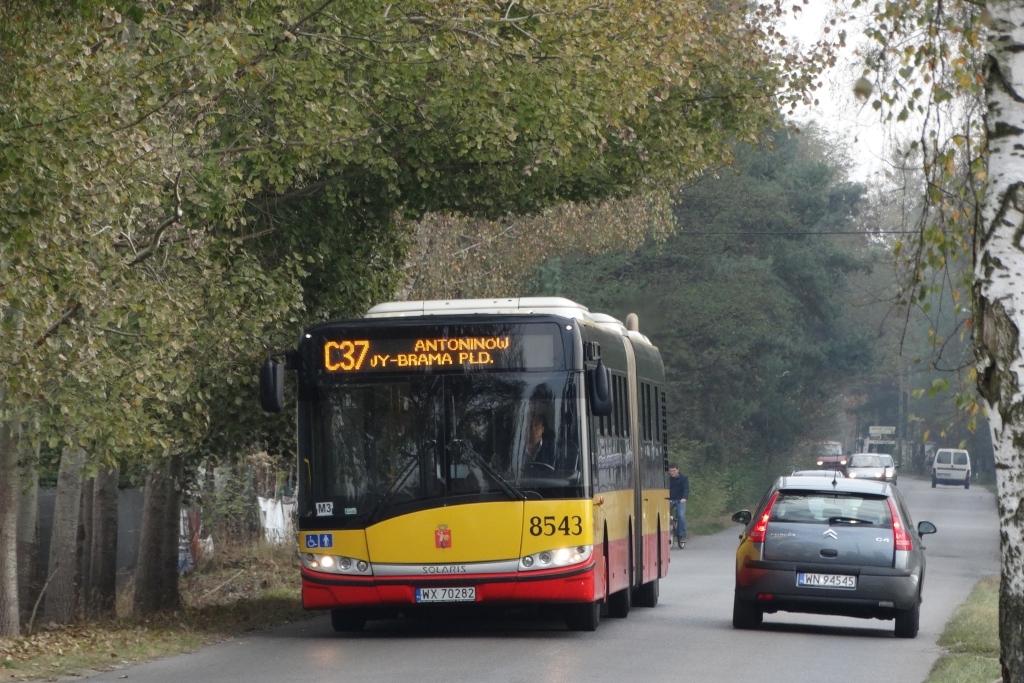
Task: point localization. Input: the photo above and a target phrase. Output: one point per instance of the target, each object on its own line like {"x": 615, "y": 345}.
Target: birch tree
{"x": 999, "y": 311}
{"x": 956, "y": 69}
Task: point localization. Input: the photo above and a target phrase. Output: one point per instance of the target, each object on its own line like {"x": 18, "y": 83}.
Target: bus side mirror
{"x": 272, "y": 386}
{"x": 599, "y": 385}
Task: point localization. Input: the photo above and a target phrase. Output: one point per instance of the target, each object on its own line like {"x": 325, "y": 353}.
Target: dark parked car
{"x": 830, "y": 546}
{"x": 831, "y": 462}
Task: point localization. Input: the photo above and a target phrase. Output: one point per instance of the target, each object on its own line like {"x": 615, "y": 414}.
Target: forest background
{"x": 184, "y": 185}
{"x": 774, "y": 297}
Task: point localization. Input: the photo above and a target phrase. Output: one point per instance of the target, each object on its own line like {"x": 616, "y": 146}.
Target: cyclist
{"x": 678, "y": 492}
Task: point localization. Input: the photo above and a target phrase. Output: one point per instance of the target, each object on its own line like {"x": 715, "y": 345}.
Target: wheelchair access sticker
{"x": 319, "y": 541}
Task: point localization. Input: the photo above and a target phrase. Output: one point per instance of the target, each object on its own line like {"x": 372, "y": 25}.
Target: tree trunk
{"x": 156, "y": 576}
{"x": 9, "y": 485}
{"x": 28, "y": 530}
{"x": 84, "y": 545}
{"x": 171, "y": 598}
{"x": 102, "y": 585}
{"x": 60, "y": 594}
{"x": 999, "y": 312}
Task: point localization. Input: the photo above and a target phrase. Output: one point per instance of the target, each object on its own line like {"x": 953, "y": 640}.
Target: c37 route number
{"x": 353, "y": 353}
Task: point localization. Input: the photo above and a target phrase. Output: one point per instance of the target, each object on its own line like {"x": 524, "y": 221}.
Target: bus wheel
{"x": 647, "y": 594}
{"x": 347, "y": 620}
{"x": 583, "y": 617}
{"x": 619, "y": 603}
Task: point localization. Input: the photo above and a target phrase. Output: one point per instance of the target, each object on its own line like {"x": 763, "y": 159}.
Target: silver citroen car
{"x": 827, "y": 545}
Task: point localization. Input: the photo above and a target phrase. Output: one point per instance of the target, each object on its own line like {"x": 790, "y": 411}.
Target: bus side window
{"x": 648, "y": 427}
{"x": 664, "y": 427}
{"x": 616, "y": 406}
{"x": 642, "y": 411}
{"x": 620, "y": 400}
{"x": 617, "y": 401}
{"x": 624, "y": 409}
{"x": 654, "y": 418}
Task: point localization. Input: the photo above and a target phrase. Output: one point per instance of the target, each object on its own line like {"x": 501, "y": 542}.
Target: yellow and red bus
{"x": 483, "y": 451}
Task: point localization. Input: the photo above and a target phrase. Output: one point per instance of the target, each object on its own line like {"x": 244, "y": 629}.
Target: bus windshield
{"x": 401, "y": 444}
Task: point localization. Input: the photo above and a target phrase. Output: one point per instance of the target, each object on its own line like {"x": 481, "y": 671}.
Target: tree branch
{"x": 66, "y": 316}
{"x": 154, "y": 243}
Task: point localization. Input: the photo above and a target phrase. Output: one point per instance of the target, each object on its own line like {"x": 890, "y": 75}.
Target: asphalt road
{"x": 688, "y": 637}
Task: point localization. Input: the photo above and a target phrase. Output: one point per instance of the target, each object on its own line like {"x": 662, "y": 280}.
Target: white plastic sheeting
{"x": 276, "y": 519}
{"x": 192, "y": 547}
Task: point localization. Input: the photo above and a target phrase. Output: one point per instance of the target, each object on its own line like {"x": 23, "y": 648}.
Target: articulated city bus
{"x": 482, "y": 451}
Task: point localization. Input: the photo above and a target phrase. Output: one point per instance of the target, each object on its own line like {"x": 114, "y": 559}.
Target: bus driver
{"x": 539, "y": 449}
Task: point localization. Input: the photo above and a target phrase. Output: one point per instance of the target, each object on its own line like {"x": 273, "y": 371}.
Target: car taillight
{"x": 899, "y": 534}
{"x": 757, "y": 533}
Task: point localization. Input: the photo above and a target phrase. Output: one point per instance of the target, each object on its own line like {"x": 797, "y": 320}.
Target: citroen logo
{"x": 831, "y": 534}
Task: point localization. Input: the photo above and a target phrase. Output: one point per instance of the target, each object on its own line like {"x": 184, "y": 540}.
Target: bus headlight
{"x": 560, "y": 557}
{"x": 335, "y": 564}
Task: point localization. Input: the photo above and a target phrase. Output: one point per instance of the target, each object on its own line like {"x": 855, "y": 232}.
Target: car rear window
{"x": 943, "y": 458}
{"x": 865, "y": 461}
{"x": 817, "y": 507}
{"x": 959, "y": 458}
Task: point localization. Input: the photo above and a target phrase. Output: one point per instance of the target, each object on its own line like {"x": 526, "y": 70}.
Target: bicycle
{"x": 674, "y": 538}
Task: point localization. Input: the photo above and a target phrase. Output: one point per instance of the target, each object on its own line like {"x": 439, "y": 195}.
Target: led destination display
{"x": 430, "y": 353}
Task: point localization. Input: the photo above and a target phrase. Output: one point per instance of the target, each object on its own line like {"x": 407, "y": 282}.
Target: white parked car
{"x": 890, "y": 467}
{"x": 951, "y": 466}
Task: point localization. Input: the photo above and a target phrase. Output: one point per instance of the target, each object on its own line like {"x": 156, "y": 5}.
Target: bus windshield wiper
{"x": 848, "y": 520}
{"x": 392, "y": 490}
{"x": 510, "y": 490}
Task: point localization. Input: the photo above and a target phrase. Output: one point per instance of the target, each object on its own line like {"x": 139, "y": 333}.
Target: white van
{"x": 951, "y": 466}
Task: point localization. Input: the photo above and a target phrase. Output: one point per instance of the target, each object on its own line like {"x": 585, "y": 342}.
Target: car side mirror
{"x": 599, "y": 386}
{"x": 272, "y": 386}
{"x": 742, "y": 517}
{"x": 925, "y": 528}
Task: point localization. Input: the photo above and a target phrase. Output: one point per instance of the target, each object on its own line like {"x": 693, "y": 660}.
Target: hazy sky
{"x": 851, "y": 120}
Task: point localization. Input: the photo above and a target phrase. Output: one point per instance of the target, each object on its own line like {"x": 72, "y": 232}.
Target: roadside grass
{"x": 243, "y": 588}
{"x": 972, "y": 639}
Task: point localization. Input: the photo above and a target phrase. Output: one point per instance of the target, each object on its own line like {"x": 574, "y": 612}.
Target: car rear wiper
{"x": 848, "y": 520}
{"x": 510, "y": 490}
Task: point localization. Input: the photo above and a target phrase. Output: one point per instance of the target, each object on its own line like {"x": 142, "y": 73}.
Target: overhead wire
{"x": 837, "y": 232}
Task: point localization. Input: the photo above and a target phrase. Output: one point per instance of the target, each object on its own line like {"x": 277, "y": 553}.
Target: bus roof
{"x": 549, "y": 305}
